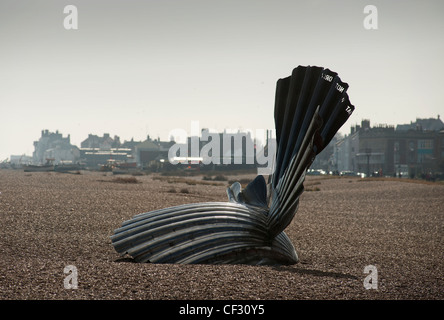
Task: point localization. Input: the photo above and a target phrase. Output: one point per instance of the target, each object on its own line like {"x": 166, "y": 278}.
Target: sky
{"x": 138, "y": 68}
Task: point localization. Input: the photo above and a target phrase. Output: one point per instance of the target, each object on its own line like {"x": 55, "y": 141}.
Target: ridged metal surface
{"x": 311, "y": 105}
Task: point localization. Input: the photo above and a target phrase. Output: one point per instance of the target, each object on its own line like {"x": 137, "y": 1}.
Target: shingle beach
{"x": 53, "y": 220}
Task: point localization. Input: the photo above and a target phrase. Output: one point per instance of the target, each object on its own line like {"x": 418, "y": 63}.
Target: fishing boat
{"x": 48, "y": 166}
{"x": 37, "y": 168}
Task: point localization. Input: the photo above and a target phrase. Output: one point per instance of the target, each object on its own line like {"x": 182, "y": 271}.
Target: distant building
{"x": 17, "y": 160}
{"x": 410, "y": 150}
{"x": 229, "y": 150}
{"x": 150, "y": 151}
{"x": 104, "y": 143}
{"x": 325, "y": 160}
{"x": 96, "y": 151}
{"x": 430, "y": 124}
{"x": 53, "y": 147}
{"x": 93, "y": 158}
{"x": 344, "y": 153}
{"x": 131, "y": 144}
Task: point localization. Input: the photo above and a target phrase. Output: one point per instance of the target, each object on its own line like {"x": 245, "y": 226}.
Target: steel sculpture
{"x": 310, "y": 107}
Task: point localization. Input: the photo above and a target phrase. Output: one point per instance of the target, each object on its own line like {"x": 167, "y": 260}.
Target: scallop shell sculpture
{"x": 310, "y": 107}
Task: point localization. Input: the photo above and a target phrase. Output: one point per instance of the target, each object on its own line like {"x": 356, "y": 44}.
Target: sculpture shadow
{"x": 316, "y": 273}
{"x": 281, "y": 268}
{"x": 125, "y": 259}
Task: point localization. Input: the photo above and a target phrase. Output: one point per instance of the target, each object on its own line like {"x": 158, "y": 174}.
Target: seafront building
{"x": 407, "y": 150}
{"x": 53, "y": 147}
{"x": 411, "y": 150}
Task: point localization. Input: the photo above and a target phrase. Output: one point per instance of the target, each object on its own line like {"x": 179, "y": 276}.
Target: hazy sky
{"x": 134, "y": 68}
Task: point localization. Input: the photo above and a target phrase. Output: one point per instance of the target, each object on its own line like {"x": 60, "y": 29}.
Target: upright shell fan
{"x": 310, "y": 107}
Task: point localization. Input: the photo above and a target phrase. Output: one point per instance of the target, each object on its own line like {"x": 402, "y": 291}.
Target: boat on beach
{"x": 68, "y": 167}
{"x": 38, "y": 168}
{"x": 48, "y": 166}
